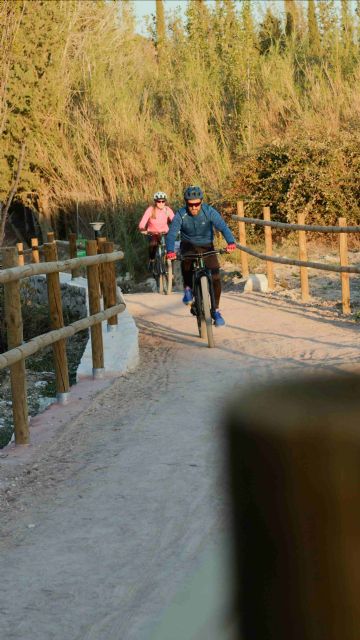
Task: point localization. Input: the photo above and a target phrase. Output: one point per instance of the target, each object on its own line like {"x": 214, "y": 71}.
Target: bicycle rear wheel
{"x": 206, "y": 310}
{"x": 157, "y": 273}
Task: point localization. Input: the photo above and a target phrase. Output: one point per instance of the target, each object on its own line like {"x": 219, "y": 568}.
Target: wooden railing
{"x": 344, "y": 269}
{"x": 14, "y": 358}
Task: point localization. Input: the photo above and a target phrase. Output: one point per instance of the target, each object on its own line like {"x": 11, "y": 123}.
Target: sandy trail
{"x": 124, "y": 502}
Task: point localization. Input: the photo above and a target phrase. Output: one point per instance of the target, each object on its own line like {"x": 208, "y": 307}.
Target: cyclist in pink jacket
{"x": 155, "y": 222}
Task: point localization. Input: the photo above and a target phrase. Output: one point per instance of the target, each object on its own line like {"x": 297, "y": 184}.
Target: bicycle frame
{"x": 203, "y": 306}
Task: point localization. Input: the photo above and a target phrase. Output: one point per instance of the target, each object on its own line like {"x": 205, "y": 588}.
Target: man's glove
{"x": 231, "y": 247}
{"x": 171, "y": 255}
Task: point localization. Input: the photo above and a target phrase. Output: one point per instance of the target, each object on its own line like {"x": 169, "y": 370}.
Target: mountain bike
{"x": 162, "y": 268}
{"x": 203, "y": 306}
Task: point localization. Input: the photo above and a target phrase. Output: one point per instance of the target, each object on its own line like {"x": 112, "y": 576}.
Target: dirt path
{"x": 97, "y": 536}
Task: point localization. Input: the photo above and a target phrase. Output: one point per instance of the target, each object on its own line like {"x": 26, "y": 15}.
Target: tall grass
{"x": 111, "y": 120}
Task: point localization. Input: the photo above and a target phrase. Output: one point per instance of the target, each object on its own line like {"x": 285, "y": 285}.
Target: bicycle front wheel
{"x": 206, "y": 310}
{"x": 168, "y": 277}
{"x": 161, "y": 283}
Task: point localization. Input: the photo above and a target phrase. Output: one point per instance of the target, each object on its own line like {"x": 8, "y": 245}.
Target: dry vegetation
{"x": 267, "y": 107}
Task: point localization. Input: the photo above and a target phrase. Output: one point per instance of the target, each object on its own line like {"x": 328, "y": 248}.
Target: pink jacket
{"x": 159, "y": 224}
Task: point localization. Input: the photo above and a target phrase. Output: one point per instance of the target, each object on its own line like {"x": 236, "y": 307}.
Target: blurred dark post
{"x": 294, "y": 468}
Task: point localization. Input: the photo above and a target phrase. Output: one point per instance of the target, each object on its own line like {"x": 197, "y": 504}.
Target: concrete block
{"x": 256, "y": 282}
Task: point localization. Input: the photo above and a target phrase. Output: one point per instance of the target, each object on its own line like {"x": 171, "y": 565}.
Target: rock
{"x": 149, "y": 285}
{"x": 256, "y": 282}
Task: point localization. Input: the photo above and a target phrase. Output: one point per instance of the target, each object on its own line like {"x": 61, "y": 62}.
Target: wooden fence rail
{"x": 297, "y": 227}
{"x": 344, "y": 269}
{"x": 16, "y": 273}
{"x": 14, "y": 358}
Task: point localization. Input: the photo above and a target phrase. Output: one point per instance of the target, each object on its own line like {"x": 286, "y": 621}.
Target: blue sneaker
{"x": 218, "y": 319}
{"x": 188, "y": 296}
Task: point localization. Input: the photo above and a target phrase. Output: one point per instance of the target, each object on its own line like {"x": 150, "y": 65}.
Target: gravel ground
{"x": 111, "y": 518}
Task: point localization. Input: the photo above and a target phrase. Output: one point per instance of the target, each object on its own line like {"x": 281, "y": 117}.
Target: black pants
{"x": 211, "y": 262}
{"x": 154, "y": 242}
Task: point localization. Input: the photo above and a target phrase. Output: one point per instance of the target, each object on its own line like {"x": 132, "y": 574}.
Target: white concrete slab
{"x": 257, "y": 282}
{"x": 121, "y": 346}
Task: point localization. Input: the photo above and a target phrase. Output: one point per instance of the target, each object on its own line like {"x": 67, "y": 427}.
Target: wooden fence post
{"x": 14, "y": 338}
{"x": 50, "y": 236}
{"x": 242, "y": 240}
{"x": 21, "y": 257}
{"x": 100, "y": 244}
{"x": 303, "y": 256}
{"x": 268, "y": 249}
{"x": 35, "y": 250}
{"x": 97, "y": 348}
{"x": 293, "y": 452}
{"x": 109, "y": 285}
{"x": 344, "y": 262}
{"x": 75, "y": 273}
{"x": 57, "y": 322}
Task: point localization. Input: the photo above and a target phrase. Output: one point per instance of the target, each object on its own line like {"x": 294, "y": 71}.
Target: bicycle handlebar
{"x": 154, "y": 233}
{"x": 192, "y": 256}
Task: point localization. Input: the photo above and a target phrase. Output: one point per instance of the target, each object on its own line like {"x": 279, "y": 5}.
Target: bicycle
{"x": 203, "y": 305}
{"x": 162, "y": 268}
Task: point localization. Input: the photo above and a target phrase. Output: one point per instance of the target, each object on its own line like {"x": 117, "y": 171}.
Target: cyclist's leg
{"x": 212, "y": 263}
{"x": 187, "y": 271}
{"x": 187, "y": 265}
{"x": 153, "y": 243}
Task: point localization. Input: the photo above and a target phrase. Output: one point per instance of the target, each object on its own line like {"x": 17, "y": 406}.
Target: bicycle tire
{"x": 157, "y": 271}
{"x": 161, "y": 283}
{"x": 199, "y": 313}
{"x": 206, "y": 309}
{"x": 169, "y": 277}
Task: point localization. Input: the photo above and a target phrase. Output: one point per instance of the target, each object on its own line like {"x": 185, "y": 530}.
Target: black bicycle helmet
{"x": 192, "y": 192}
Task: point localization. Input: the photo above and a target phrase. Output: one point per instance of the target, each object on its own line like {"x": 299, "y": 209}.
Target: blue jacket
{"x": 197, "y": 229}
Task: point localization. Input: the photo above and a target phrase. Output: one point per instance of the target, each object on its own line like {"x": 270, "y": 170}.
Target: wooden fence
{"x": 344, "y": 269}
{"x": 100, "y": 266}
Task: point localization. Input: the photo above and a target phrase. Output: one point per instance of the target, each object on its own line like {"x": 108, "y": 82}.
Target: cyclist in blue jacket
{"x": 196, "y": 222}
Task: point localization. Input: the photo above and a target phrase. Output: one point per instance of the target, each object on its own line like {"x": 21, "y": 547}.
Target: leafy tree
{"x": 271, "y": 35}
{"x": 291, "y": 15}
{"x": 160, "y": 27}
{"x": 313, "y": 30}
{"x": 347, "y": 37}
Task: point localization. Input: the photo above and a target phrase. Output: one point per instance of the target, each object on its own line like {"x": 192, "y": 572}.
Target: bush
{"x": 320, "y": 178}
